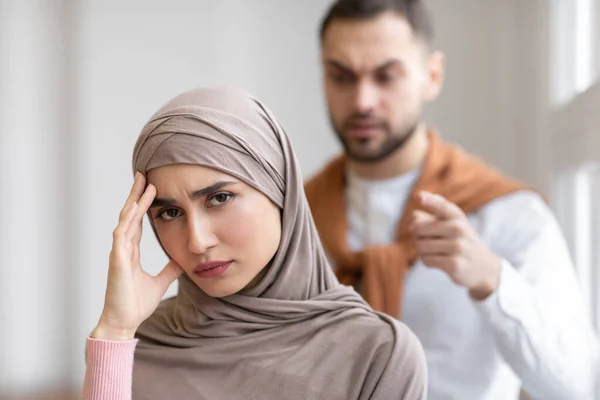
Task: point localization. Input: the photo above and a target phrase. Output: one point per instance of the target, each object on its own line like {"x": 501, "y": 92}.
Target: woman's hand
{"x": 132, "y": 295}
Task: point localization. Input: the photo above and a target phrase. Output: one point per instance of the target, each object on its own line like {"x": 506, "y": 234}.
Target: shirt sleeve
{"x": 537, "y": 314}
{"x": 109, "y": 371}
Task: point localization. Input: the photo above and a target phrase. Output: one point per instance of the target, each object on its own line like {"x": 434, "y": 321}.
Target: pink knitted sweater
{"x": 109, "y": 370}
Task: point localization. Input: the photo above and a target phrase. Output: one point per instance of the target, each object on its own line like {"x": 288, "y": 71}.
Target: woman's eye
{"x": 219, "y": 199}
{"x": 169, "y": 214}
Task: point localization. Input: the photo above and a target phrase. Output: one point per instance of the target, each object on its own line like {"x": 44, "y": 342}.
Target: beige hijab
{"x": 298, "y": 334}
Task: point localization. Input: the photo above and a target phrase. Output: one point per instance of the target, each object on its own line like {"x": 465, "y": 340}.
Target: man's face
{"x": 377, "y": 76}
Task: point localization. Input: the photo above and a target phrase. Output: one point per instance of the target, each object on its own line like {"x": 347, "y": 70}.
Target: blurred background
{"x": 78, "y": 80}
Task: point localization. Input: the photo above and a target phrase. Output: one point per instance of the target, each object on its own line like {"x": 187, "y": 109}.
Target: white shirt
{"x": 532, "y": 332}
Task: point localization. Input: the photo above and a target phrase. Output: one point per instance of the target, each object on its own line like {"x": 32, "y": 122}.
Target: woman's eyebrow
{"x": 165, "y": 202}
{"x": 210, "y": 189}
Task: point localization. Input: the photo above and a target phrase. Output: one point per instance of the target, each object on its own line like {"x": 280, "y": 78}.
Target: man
{"x": 472, "y": 261}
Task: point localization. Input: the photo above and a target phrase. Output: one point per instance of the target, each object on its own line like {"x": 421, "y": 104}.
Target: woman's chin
{"x": 218, "y": 289}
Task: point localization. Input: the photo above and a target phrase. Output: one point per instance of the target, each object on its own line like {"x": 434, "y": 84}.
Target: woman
{"x": 259, "y": 313}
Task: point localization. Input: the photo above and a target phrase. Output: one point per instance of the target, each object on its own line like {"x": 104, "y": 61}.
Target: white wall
{"x": 34, "y": 200}
{"x": 476, "y": 106}
{"x": 496, "y": 102}
{"x": 78, "y": 79}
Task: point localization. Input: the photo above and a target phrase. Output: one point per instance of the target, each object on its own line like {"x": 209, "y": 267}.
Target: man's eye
{"x": 384, "y": 78}
{"x": 341, "y": 78}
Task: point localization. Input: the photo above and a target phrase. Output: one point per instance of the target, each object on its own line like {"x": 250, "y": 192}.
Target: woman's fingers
{"x": 130, "y": 225}
{"x": 136, "y": 191}
{"x": 168, "y": 275}
{"x": 135, "y": 229}
{"x": 125, "y": 224}
{"x": 118, "y": 255}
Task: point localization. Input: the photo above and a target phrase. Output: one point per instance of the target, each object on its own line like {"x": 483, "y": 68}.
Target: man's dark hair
{"x": 415, "y": 11}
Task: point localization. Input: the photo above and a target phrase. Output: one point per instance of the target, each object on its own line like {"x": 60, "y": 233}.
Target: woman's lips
{"x": 212, "y": 269}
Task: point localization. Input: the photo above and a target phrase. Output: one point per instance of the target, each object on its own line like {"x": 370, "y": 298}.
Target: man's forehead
{"x": 361, "y": 59}
{"x": 369, "y": 44}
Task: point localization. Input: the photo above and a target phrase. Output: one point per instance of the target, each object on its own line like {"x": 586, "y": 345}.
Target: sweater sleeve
{"x": 109, "y": 370}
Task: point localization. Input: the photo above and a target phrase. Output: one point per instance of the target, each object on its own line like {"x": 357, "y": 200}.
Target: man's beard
{"x": 393, "y": 142}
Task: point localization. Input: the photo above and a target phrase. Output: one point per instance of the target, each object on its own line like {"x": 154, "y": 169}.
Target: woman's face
{"x": 221, "y": 231}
